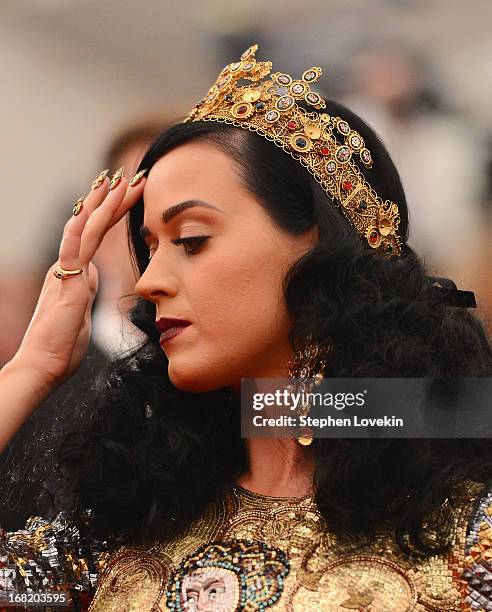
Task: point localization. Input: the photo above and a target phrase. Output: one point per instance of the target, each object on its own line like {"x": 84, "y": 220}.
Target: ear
{"x": 312, "y": 236}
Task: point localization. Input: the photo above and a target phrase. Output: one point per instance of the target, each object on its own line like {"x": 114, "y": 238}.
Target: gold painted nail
{"x": 116, "y": 178}
{"x": 99, "y": 180}
{"x": 78, "y": 205}
{"x": 137, "y": 178}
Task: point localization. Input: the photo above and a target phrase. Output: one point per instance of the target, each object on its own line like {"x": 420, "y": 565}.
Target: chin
{"x": 192, "y": 379}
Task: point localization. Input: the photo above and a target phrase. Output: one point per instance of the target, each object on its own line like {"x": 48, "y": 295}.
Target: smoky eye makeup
{"x": 190, "y": 231}
{"x": 192, "y": 218}
{"x": 191, "y": 244}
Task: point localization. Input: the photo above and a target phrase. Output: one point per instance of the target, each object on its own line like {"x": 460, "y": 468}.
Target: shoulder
{"x": 477, "y": 567}
{"x": 51, "y": 554}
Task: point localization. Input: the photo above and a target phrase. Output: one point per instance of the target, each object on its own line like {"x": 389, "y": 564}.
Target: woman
{"x": 251, "y": 264}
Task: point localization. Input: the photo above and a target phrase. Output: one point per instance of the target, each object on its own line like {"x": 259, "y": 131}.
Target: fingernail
{"x": 116, "y": 178}
{"x": 99, "y": 180}
{"x": 78, "y": 205}
{"x": 137, "y": 178}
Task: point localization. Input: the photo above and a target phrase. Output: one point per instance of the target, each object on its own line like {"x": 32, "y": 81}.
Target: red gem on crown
{"x": 292, "y": 125}
{"x": 347, "y": 185}
{"x": 373, "y": 237}
{"x": 325, "y": 150}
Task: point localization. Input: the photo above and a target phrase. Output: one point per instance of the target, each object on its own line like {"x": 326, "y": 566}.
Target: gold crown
{"x": 268, "y": 107}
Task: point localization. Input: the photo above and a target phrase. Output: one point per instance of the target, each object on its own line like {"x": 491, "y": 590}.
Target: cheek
{"x": 241, "y": 321}
{"x": 238, "y": 294}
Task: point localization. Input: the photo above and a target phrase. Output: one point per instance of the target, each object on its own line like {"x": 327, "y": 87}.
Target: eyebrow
{"x": 175, "y": 210}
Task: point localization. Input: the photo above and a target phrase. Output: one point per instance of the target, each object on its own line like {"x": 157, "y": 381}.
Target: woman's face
{"x": 228, "y": 285}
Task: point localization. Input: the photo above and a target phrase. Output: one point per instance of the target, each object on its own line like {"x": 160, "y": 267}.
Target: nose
{"x": 204, "y": 604}
{"x": 155, "y": 283}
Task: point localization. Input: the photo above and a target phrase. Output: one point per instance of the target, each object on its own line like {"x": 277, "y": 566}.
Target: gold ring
{"x": 62, "y": 274}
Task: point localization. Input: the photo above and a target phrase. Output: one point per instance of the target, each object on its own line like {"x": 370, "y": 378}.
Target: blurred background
{"x": 87, "y": 84}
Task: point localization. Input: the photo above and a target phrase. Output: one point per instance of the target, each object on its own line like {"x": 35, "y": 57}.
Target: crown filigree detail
{"x": 325, "y": 145}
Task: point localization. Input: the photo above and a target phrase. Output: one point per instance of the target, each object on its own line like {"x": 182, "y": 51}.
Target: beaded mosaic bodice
{"x": 254, "y": 552}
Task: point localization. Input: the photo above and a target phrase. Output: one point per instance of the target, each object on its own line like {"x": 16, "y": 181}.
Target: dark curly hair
{"x": 153, "y": 456}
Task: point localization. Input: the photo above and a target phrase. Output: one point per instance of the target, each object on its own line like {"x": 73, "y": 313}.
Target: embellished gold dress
{"x": 254, "y": 552}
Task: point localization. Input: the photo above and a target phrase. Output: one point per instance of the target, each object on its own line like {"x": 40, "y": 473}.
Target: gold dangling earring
{"x": 308, "y": 366}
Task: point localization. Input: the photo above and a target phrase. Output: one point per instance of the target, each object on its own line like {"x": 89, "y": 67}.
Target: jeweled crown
{"x": 325, "y": 145}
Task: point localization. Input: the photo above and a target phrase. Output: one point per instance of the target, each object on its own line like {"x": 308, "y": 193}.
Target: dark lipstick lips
{"x": 165, "y": 323}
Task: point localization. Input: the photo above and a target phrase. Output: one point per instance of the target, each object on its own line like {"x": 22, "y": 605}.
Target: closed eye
{"x": 191, "y": 244}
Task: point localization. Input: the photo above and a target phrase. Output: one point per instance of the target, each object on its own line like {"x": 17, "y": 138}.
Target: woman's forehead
{"x": 191, "y": 159}
{"x": 195, "y": 170}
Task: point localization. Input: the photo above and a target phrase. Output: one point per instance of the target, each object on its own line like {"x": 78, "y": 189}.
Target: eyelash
{"x": 191, "y": 244}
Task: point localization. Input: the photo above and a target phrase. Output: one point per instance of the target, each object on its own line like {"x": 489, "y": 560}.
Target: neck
{"x": 278, "y": 467}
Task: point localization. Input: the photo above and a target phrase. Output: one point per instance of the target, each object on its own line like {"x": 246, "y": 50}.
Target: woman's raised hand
{"x": 58, "y": 335}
